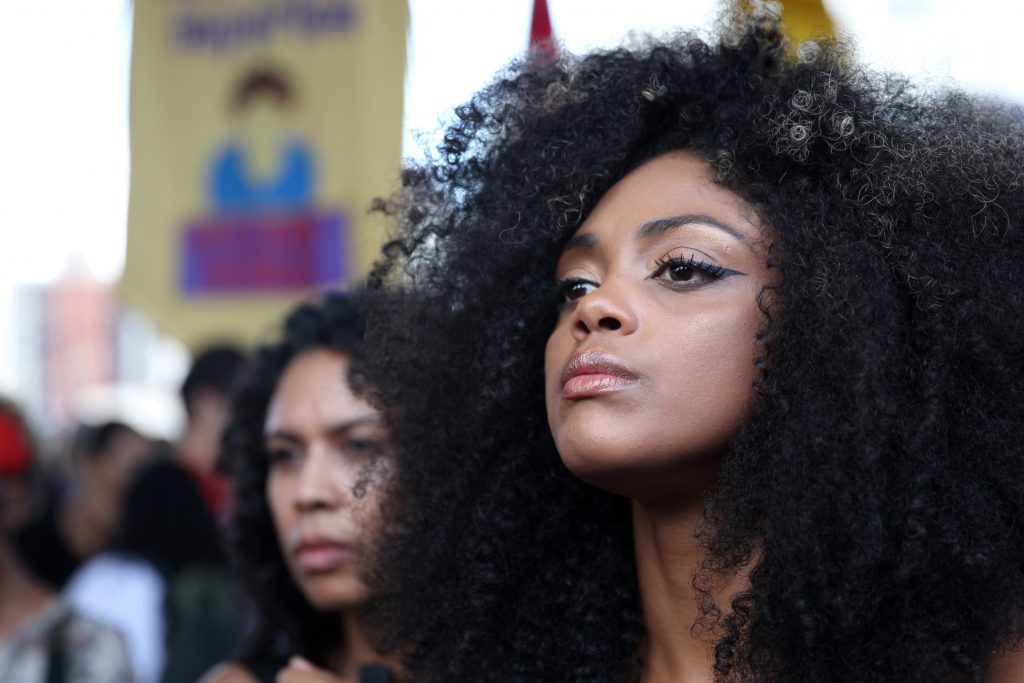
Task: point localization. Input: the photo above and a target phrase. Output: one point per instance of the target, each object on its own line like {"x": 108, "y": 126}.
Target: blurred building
{"x": 79, "y": 356}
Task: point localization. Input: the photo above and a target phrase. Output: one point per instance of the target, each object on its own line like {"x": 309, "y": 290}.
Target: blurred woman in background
{"x": 307, "y": 458}
{"x": 81, "y": 509}
{"x": 41, "y": 638}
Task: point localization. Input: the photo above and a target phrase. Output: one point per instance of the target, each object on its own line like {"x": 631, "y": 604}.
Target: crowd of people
{"x": 697, "y": 360}
{"x": 122, "y": 541}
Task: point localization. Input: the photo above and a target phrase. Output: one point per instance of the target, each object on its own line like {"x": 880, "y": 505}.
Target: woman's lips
{"x": 593, "y": 373}
{"x": 323, "y": 556}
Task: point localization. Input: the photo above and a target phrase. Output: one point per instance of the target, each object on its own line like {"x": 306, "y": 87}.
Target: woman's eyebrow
{"x": 343, "y": 428}
{"x": 340, "y": 429}
{"x": 282, "y": 435}
{"x": 660, "y": 225}
{"x": 585, "y": 240}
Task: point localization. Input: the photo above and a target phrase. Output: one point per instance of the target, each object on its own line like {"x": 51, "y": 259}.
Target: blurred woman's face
{"x": 650, "y": 368}
{"x": 325, "y": 449}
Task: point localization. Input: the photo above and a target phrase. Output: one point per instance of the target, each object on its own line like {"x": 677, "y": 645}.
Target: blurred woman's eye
{"x": 364, "y": 447}
{"x": 281, "y": 456}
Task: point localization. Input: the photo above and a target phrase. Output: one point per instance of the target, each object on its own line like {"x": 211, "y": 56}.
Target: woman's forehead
{"x": 668, "y": 191}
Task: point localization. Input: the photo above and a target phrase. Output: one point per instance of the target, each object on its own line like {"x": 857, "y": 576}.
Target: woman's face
{"x": 324, "y": 447}
{"x": 649, "y": 370}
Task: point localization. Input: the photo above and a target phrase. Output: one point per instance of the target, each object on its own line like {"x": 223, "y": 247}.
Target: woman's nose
{"x": 604, "y": 309}
{"x": 316, "y": 486}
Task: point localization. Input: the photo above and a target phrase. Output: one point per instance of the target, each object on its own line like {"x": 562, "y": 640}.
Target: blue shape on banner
{"x": 232, "y": 187}
{"x": 263, "y": 232}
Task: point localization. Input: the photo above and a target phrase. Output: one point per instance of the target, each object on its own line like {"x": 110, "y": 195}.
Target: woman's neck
{"x": 668, "y": 557}
{"x": 358, "y": 650}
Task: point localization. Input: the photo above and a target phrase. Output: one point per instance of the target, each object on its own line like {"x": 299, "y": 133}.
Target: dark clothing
{"x": 44, "y": 550}
{"x": 264, "y": 669}
{"x": 167, "y": 523}
{"x": 165, "y": 520}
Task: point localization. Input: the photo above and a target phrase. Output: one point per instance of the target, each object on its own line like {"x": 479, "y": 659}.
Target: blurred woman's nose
{"x": 317, "y": 486}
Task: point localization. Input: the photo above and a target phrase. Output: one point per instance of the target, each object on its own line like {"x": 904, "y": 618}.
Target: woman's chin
{"x": 336, "y": 596}
{"x": 646, "y": 475}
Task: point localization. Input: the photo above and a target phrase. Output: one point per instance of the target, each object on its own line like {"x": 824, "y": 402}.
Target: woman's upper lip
{"x": 593, "y": 363}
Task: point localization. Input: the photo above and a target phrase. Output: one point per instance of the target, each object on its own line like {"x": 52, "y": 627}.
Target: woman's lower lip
{"x": 583, "y": 386}
{"x": 323, "y": 558}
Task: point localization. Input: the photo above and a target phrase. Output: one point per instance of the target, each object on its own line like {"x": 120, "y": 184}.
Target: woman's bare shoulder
{"x": 228, "y": 672}
{"x": 1007, "y": 668}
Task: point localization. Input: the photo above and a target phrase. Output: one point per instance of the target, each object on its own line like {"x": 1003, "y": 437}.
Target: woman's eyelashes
{"x": 683, "y": 272}
{"x": 678, "y": 272}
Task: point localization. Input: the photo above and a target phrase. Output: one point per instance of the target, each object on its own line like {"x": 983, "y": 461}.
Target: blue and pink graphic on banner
{"x": 224, "y": 254}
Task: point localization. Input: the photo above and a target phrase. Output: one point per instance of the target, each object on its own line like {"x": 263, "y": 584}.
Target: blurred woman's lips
{"x": 316, "y": 556}
{"x": 593, "y": 373}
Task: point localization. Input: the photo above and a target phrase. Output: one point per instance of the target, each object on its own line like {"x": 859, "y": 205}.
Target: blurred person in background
{"x": 41, "y": 638}
{"x": 308, "y": 461}
{"x": 178, "y": 605}
{"x": 176, "y": 601}
{"x": 79, "y": 516}
{"x": 206, "y": 393}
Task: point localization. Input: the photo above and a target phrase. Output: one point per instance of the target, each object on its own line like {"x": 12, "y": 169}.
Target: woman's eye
{"x": 573, "y": 289}
{"x": 680, "y": 272}
{"x": 364, "y": 447}
{"x": 689, "y": 271}
{"x": 280, "y": 456}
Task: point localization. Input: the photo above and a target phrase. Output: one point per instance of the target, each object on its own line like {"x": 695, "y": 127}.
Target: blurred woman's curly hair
{"x": 877, "y": 490}
{"x": 285, "y": 622}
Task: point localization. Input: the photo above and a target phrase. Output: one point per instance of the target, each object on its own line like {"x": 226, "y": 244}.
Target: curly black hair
{"x": 877, "y": 489}
{"x": 285, "y": 623}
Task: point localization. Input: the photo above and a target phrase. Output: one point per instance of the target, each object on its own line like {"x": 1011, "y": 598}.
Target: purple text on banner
{"x": 261, "y": 253}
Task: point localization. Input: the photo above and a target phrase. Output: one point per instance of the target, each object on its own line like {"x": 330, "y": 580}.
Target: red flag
{"x": 15, "y": 453}
{"x": 542, "y": 38}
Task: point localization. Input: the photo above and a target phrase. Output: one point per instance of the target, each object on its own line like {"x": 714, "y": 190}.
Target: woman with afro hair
{"x": 306, "y": 457}
{"x": 702, "y": 361}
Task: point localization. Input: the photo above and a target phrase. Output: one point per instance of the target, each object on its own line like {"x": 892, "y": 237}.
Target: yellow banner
{"x": 261, "y": 130}
{"x": 806, "y": 20}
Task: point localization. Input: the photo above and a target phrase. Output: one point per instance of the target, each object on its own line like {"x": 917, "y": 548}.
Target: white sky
{"x": 64, "y": 70}
{"x": 64, "y": 67}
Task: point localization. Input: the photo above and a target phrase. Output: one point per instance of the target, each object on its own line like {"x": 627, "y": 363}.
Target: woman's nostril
{"x": 609, "y": 323}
